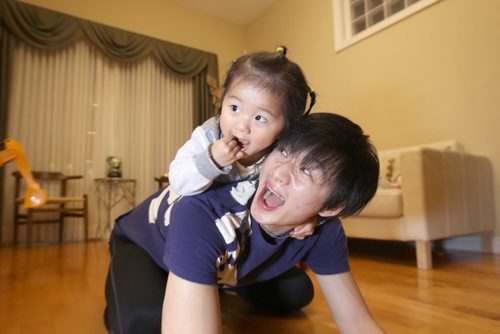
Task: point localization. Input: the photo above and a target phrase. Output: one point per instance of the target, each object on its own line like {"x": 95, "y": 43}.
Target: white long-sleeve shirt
{"x": 193, "y": 170}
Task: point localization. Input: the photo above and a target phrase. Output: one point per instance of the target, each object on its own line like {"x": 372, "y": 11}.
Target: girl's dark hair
{"x": 344, "y": 154}
{"x": 283, "y": 78}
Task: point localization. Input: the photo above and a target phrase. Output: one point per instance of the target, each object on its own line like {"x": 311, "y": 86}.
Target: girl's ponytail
{"x": 312, "y": 95}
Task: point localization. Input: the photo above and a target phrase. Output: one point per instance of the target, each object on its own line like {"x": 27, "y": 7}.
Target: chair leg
{"x": 424, "y": 254}
{"x": 85, "y": 217}
{"x": 61, "y": 227}
{"x": 29, "y": 225}
{"x": 16, "y": 225}
{"x": 487, "y": 242}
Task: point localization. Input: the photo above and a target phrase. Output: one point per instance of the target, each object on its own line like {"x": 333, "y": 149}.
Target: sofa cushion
{"x": 387, "y": 203}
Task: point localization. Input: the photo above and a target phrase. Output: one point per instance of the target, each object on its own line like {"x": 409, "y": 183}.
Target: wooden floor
{"x": 59, "y": 289}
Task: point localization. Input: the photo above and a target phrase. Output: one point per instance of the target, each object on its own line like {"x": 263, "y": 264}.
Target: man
{"x": 201, "y": 243}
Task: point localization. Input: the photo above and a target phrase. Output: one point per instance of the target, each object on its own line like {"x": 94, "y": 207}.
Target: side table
{"x": 109, "y": 192}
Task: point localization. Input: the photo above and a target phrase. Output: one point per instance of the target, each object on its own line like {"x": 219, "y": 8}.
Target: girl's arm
{"x": 190, "y": 307}
{"x": 192, "y": 171}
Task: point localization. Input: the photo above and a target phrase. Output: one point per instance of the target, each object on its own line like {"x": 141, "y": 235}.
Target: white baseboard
{"x": 472, "y": 243}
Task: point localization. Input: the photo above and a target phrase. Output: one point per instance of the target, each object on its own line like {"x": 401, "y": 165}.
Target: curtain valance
{"x": 46, "y": 29}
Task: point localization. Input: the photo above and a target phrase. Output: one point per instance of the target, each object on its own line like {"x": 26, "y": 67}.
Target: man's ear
{"x": 331, "y": 212}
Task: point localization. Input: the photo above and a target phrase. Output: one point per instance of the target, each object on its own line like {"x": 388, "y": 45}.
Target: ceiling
{"x": 241, "y": 12}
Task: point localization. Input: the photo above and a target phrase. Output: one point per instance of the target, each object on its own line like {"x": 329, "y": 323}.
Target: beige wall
{"x": 162, "y": 19}
{"x": 431, "y": 77}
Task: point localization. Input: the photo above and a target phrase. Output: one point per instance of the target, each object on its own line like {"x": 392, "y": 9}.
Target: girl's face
{"x": 254, "y": 117}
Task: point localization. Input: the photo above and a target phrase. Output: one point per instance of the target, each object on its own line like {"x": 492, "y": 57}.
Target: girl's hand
{"x": 225, "y": 151}
{"x": 304, "y": 230}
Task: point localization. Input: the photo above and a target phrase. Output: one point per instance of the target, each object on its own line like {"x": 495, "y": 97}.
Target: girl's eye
{"x": 284, "y": 153}
{"x": 234, "y": 108}
{"x": 260, "y": 119}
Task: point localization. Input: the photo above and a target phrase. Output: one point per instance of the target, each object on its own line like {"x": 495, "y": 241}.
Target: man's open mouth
{"x": 272, "y": 199}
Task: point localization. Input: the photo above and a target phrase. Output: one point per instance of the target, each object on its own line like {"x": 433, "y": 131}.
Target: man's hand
{"x": 225, "y": 151}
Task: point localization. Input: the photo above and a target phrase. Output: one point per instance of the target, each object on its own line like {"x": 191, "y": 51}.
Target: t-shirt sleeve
{"x": 193, "y": 243}
{"x": 330, "y": 254}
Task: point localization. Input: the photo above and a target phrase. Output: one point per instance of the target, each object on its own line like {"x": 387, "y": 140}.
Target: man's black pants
{"x": 135, "y": 287}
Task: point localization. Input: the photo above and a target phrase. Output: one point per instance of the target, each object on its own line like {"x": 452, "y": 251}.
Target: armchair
{"x": 427, "y": 192}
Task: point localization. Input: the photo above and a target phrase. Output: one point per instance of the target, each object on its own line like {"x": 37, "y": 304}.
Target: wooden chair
{"x": 162, "y": 180}
{"x": 58, "y": 207}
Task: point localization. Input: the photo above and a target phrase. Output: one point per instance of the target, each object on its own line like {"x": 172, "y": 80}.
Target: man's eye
{"x": 260, "y": 119}
{"x": 234, "y": 108}
{"x": 284, "y": 153}
{"x": 305, "y": 171}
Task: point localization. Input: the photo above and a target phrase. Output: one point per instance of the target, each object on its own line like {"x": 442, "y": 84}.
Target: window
{"x": 355, "y": 20}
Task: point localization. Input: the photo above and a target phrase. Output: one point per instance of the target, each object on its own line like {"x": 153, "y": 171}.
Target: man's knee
{"x": 288, "y": 292}
{"x": 133, "y": 320}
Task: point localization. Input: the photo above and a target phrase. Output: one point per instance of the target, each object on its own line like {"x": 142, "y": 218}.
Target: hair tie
{"x": 282, "y": 50}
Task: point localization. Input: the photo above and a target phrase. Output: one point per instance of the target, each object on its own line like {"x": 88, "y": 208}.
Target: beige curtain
{"x": 73, "y": 107}
{"x": 48, "y": 30}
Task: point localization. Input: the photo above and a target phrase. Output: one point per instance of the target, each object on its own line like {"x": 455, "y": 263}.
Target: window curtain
{"x": 48, "y": 30}
{"x": 74, "y": 107}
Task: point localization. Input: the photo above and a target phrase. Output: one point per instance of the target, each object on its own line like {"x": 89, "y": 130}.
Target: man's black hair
{"x": 344, "y": 154}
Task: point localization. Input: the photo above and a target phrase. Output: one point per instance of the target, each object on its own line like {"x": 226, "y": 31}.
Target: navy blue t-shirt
{"x": 210, "y": 238}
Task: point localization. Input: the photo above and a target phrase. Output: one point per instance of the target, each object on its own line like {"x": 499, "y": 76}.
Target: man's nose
{"x": 282, "y": 173}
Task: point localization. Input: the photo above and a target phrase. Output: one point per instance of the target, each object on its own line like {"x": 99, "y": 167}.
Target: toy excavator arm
{"x": 35, "y": 195}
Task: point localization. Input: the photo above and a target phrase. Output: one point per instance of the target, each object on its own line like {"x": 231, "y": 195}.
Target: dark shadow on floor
{"x": 404, "y": 252}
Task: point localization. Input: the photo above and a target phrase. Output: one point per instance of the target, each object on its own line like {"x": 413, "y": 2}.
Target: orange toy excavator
{"x": 35, "y": 195}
